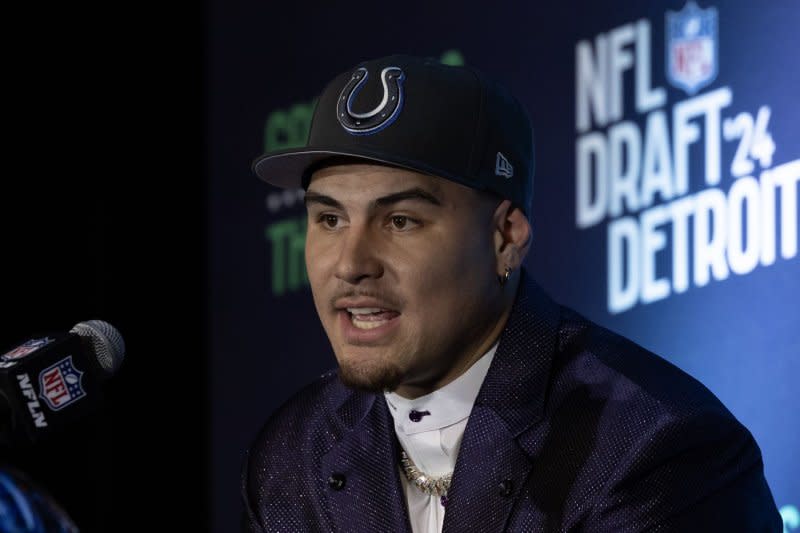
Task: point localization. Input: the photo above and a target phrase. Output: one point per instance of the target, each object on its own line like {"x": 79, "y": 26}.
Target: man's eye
{"x": 329, "y": 221}
{"x": 402, "y": 222}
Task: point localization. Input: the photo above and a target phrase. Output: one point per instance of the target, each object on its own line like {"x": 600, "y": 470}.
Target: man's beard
{"x": 374, "y": 376}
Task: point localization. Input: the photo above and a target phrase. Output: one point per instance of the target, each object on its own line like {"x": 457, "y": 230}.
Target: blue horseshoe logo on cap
{"x": 383, "y": 114}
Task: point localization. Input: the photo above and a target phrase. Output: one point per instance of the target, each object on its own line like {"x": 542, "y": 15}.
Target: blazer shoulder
{"x": 597, "y": 357}
{"x": 298, "y": 418}
{"x": 666, "y": 445}
{"x": 636, "y": 404}
{"x": 283, "y": 459}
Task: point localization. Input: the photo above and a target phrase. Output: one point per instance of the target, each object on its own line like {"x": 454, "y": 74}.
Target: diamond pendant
{"x": 428, "y": 484}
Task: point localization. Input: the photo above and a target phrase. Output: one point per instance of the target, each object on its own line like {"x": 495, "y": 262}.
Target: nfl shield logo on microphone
{"x": 60, "y": 384}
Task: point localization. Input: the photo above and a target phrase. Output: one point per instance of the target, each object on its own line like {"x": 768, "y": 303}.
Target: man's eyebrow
{"x": 411, "y": 194}
{"x": 312, "y": 197}
{"x": 415, "y": 193}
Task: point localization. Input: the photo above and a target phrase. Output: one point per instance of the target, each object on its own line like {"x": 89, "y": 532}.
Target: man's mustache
{"x": 390, "y": 300}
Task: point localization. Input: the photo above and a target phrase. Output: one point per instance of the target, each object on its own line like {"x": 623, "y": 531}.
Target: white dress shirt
{"x": 433, "y": 441}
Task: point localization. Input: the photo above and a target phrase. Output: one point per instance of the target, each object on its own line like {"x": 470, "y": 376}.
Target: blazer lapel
{"x": 370, "y": 497}
{"x": 490, "y": 470}
{"x": 492, "y": 467}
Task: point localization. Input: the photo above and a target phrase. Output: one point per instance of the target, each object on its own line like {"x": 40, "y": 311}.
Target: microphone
{"x": 52, "y": 380}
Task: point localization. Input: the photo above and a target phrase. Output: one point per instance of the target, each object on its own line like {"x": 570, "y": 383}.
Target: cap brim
{"x": 286, "y": 168}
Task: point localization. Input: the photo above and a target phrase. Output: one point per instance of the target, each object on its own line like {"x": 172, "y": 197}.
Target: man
{"x": 466, "y": 399}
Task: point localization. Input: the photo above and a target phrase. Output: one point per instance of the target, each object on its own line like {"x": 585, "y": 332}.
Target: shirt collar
{"x": 447, "y": 405}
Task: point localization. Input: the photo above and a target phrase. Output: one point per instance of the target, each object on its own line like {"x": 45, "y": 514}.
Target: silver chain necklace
{"x": 437, "y": 486}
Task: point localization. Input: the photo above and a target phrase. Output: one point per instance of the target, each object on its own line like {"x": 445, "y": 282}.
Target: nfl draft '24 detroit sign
{"x": 672, "y": 224}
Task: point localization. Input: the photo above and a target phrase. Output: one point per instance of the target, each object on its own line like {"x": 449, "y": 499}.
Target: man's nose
{"x": 357, "y": 257}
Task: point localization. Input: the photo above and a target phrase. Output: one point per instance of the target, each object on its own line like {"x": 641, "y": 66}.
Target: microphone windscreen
{"x": 109, "y": 348}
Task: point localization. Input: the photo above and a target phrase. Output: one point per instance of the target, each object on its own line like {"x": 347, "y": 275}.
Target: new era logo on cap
{"x": 502, "y": 167}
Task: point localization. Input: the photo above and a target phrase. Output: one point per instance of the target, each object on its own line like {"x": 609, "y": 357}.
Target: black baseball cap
{"x": 417, "y": 113}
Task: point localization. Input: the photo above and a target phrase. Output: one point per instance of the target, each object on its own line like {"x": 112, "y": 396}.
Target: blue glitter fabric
{"x": 574, "y": 429}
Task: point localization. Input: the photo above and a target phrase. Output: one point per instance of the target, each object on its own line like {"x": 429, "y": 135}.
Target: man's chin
{"x": 370, "y": 377}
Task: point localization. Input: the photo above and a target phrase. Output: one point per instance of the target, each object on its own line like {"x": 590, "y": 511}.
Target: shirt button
{"x": 416, "y": 416}
{"x": 336, "y": 481}
{"x": 505, "y": 488}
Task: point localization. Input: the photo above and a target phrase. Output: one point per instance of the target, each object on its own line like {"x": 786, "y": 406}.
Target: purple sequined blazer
{"x": 574, "y": 429}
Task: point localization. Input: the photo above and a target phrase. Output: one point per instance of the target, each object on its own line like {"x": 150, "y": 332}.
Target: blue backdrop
{"x": 665, "y": 197}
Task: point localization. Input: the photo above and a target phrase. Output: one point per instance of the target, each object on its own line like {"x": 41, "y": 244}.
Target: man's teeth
{"x": 362, "y": 317}
{"x": 363, "y": 310}
{"x": 361, "y": 324}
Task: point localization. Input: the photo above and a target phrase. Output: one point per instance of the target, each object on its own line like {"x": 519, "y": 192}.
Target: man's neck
{"x": 462, "y": 364}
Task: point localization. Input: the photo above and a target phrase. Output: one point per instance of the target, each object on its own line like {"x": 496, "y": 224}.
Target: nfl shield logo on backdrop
{"x": 691, "y": 36}
{"x": 60, "y": 384}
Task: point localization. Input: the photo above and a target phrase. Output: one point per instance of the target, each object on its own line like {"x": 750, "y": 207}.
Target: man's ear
{"x": 512, "y": 236}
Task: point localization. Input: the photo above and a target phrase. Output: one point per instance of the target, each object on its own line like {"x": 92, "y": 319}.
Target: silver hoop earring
{"x": 504, "y": 278}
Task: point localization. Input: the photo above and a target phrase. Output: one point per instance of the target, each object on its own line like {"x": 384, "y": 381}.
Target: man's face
{"x": 403, "y": 270}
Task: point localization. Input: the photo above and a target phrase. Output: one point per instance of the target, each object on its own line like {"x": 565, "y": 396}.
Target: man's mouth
{"x": 370, "y": 317}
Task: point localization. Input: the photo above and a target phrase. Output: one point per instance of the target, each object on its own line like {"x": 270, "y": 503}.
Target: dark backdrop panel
{"x": 104, "y": 217}
{"x": 738, "y": 335}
